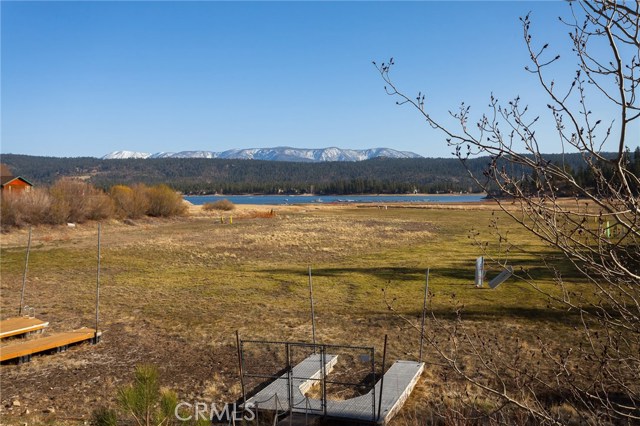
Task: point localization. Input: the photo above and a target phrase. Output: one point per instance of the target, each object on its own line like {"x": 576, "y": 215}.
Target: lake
{"x": 329, "y": 199}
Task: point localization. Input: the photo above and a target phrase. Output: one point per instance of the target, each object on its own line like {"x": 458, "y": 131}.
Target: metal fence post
{"x": 24, "y": 274}
{"x": 384, "y": 360}
{"x": 289, "y": 379}
{"x": 244, "y": 397}
{"x": 424, "y": 312}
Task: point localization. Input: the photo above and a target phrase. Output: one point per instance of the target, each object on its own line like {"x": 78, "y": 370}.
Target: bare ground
{"x": 175, "y": 290}
{"x": 166, "y": 319}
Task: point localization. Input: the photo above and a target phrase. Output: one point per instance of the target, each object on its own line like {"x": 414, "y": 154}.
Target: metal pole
{"x": 289, "y": 381}
{"x": 323, "y": 351}
{"x": 424, "y": 312}
{"x": 313, "y": 313}
{"x": 244, "y": 398}
{"x": 98, "y": 283}
{"x": 384, "y": 360}
{"x": 373, "y": 394}
{"x": 24, "y": 274}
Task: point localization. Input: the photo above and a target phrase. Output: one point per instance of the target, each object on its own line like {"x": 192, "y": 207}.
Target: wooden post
{"x": 384, "y": 360}
{"x": 313, "y": 314}
{"x": 24, "y": 273}
{"x": 424, "y": 312}
{"x": 98, "y": 284}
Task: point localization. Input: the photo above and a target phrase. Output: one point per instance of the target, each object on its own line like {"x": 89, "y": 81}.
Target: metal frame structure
{"x": 293, "y": 353}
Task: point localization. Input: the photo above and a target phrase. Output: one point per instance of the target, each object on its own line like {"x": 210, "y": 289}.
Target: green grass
{"x": 198, "y": 262}
{"x": 202, "y": 280}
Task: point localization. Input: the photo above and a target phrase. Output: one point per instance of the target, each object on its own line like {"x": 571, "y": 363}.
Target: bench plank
{"x": 30, "y": 347}
{"x": 20, "y": 325}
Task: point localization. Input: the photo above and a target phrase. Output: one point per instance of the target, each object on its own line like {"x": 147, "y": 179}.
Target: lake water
{"x": 328, "y": 199}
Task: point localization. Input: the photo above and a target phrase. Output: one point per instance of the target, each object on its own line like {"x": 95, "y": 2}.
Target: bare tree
{"x": 598, "y": 231}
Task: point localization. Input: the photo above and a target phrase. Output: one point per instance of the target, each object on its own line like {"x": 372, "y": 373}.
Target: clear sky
{"x": 88, "y": 78}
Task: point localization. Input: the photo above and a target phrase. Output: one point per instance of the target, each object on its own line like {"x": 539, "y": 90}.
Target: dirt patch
{"x": 88, "y": 376}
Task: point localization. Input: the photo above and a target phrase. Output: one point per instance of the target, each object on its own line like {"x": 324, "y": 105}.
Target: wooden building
{"x": 12, "y": 184}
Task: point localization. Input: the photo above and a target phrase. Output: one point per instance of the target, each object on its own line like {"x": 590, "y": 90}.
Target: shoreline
{"x": 343, "y": 195}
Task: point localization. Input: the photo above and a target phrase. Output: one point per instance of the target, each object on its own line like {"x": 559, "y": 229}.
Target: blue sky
{"x": 88, "y": 78}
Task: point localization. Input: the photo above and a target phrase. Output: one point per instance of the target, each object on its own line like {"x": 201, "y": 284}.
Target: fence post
{"x": 98, "y": 284}
{"x": 238, "y": 343}
{"x": 384, "y": 360}
{"x": 424, "y": 312}
{"x": 313, "y": 314}
{"x": 24, "y": 274}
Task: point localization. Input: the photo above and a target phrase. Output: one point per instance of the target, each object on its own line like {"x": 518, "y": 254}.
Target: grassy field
{"x": 173, "y": 293}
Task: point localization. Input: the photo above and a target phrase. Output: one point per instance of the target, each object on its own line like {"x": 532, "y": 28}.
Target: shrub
{"x": 104, "y": 417}
{"x": 140, "y": 204}
{"x": 99, "y": 206}
{"x": 224, "y": 205}
{"x": 122, "y": 197}
{"x": 129, "y": 202}
{"x": 144, "y": 402}
{"x": 164, "y": 202}
{"x": 76, "y": 201}
{"x": 34, "y": 206}
{"x": 9, "y": 213}
{"x": 72, "y": 200}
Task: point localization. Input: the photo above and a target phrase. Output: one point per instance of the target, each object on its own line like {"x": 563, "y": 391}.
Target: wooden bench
{"x": 20, "y": 325}
{"x": 22, "y": 351}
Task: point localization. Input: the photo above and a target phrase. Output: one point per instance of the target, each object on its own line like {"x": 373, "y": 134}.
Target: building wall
{"x": 16, "y": 186}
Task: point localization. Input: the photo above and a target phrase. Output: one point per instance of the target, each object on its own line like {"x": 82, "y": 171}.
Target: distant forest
{"x": 223, "y": 176}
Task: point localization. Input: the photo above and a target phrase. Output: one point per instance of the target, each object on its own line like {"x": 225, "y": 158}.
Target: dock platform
{"x": 304, "y": 375}
{"x": 399, "y": 381}
{"x": 22, "y": 351}
{"x": 397, "y": 385}
{"x": 20, "y": 325}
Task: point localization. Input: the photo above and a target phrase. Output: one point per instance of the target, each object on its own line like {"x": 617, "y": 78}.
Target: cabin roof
{"x": 5, "y": 180}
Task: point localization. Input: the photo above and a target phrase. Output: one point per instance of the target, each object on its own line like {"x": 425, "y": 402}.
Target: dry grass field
{"x": 173, "y": 293}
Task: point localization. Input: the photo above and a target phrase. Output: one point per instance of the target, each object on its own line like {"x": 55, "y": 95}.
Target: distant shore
{"x": 419, "y": 194}
{"x": 339, "y": 199}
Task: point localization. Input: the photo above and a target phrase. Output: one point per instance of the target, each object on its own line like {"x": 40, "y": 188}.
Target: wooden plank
{"x": 59, "y": 340}
{"x": 20, "y": 325}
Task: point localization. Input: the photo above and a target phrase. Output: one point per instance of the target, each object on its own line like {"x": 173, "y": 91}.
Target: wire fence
{"x": 292, "y": 377}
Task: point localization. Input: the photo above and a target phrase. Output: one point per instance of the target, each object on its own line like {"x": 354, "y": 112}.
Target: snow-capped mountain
{"x": 184, "y": 154}
{"x": 275, "y": 154}
{"x": 117, "y": 155}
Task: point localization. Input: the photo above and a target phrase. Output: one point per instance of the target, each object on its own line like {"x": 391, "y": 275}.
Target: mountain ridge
{"x": 232, "y": 176}
{"x": 273, "y": 154}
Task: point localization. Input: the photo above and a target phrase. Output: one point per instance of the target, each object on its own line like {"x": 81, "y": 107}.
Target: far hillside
{"x": 208, "y": 176}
